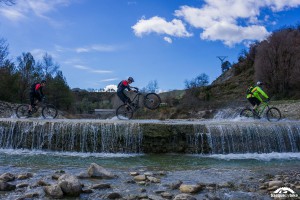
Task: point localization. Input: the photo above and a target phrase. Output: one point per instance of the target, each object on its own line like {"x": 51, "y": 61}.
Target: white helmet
{"x": 259, "y": 83}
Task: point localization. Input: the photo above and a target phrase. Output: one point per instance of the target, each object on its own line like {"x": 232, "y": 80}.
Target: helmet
{"x": 43, "y": 81}
{"x": 130, "y": 79}
{"x": 259, "y": 83}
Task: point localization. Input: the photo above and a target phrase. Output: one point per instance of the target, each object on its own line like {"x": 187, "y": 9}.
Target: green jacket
{"x": 256, "y": 92}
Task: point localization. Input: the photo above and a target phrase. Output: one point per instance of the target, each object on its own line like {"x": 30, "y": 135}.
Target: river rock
{"x": 101, "y": 186}
{"x": 166, "y": 195}
{"x": 54, "y": 191}
{"x": 97, "y": 171}
{"x": 87, "y": 190}
{"x": 175, "y": 185}
{"x": 70, "y": 185}
{"x": 275, "y": 183}
{"x": 153, "y": 179}
{"x": 83, "y": 175}
{"x": 25, "y": 176}
{"x": 114, "y": 195}
{"x": 140, "y": 178}
{"x": 133, "y": 173}
{"x": 22, "y": 185}
{"x": 190, "y": 188}
{"x": 154, "y": 197}
{"x": 6, "y": 177}
{"x": 184, "y": 197}
{"x": 4, "y": 186}
{"x": 42, "y": 183}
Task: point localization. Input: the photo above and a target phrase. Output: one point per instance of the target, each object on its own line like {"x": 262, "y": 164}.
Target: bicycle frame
{"x": 261, "y": 108}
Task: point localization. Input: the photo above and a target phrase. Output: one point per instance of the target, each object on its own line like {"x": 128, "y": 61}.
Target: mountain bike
{"x": 151, "y": 101}
{"x": 48, "y": 111}
{"x": 273, "y": 114}
{"x": 6, "y": 111}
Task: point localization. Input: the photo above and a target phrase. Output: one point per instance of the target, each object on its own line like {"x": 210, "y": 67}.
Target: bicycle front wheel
{"x": 49, "y": 112}
{"x": 22, "y": 111}
{"x": 247, "y": 113}
{"x": 152, "y": 101}
{"x": 273, "y": 114}
{"x": 124, "y": 112}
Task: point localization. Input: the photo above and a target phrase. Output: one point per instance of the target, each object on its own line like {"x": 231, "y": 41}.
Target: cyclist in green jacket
{"x": 253, "y": 95}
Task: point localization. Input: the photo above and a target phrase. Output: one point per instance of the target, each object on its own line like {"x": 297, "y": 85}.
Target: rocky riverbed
{"x": 96, "y": 182}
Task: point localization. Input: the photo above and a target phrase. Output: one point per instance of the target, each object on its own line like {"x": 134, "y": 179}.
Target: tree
{"x": 47, "y": 66}
{"x": 28, "y": 72}
{"x": 58, "y": 92}
{"x": 277, "y": 62}
{"x": 151, "y": 87}
{"x": 225, "y": 66}
{"x": 3, "y": 51}
{"x": 201, "y": 80}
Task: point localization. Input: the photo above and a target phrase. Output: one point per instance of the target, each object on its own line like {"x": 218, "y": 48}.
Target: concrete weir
{"x": 150, "y": 136}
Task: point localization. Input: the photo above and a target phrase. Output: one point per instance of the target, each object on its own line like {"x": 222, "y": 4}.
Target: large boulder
{"x": 70, "y": 185}
{"x": 6, "y": 177}
{"x": 54, "y": 191}
{"x": 4, "y": 186}
{"x": 190, "y": 188}
{"x": 97, "y": 171}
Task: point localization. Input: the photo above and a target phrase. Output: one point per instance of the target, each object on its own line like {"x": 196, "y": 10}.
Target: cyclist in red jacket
{"x": 125, "y": 84}
{"x": 36, "y": 92}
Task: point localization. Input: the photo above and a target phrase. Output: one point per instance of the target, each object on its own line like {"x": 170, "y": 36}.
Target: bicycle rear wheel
{"x": 49, "y": 112}
{"x": 152, "y": 101}
{"x": 124, "y": 112}
{"x": 22, "y": 111}
{"x": 273, "y": 114}
{"x": 247, "y": 113}
{"x": 6, "y": 111}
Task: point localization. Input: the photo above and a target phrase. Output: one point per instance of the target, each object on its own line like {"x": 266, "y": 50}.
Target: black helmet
{"x": 43, "y": 81}
{"x": 130, "y": 79}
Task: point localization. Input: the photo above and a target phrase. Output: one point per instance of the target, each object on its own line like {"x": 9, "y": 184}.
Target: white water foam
{"x": 70, "y": 154}
{"x": 255, "y": 156}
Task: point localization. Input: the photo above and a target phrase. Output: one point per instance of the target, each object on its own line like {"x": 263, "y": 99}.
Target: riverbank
{"x": 139, "y": 176}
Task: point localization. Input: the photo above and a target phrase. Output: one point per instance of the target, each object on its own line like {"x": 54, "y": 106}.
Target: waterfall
{"x": 71, "y": 136}
{"x": 224, "y": 138}
{"x": 212, "y": 137}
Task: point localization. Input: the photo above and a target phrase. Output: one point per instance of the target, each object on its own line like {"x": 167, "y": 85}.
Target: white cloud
{"x": 25, "y": 8}
{"x": 101, "y": 71}
{"x": 230, "y": 21}
{"x": 168, "y": 39}
{"x": 109, "y": 79}
{"x": 160, "y": 26}
{"x": 110, "y": 87}
{"x": 81, "y": 67}
{"x": 97, "y": 47}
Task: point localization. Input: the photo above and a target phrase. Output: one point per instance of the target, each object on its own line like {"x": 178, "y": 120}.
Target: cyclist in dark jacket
{"x": 125, "y": 84}
{"x": 36, "y": 92}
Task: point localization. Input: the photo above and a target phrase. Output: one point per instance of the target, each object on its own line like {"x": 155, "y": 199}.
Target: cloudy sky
{"x": 100, "y": 42}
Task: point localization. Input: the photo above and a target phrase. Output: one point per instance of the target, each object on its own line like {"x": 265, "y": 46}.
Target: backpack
{"x": 32, "y": 88}
{"x": 249, "y": 90}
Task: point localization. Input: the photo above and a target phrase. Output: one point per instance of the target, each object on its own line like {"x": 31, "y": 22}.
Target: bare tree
{"x": 48, "y": 67}
{"x": 201, "y": 80}
{"x": 151, "y": 87}
{"x": 277, "y": 61}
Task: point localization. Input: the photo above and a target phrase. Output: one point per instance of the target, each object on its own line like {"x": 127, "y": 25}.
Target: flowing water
{"x": 240, "y": 151}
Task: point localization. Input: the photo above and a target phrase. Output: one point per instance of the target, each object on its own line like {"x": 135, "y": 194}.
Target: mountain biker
{"x": 253, "y": 95}
{"x": 125, "y": 84}
{"x": 36, "y": 92}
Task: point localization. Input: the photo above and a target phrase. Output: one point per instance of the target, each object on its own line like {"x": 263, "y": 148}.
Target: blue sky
{"x": 100, "y": 42}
